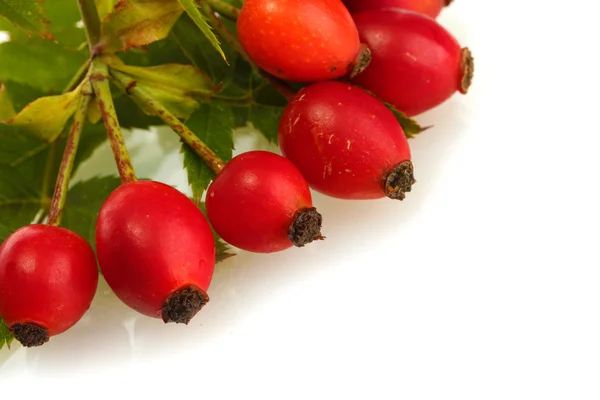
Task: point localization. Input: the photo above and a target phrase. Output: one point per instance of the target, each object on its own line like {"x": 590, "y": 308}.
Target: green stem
{"x": 199, "y": 147}
{"x": 78, "y": 77}
{"x": 229, "y": 38}
{"x": 100, "y": 83}
{"x": 66, "y": 166}
{"x": 91, "y": 21}
{"x": 225, "y": 9}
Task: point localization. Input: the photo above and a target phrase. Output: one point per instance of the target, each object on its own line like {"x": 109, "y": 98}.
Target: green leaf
{"x": 39, "y": 63}
{"x": 105, "y": 7}
{"x": 213, "y": 123}
{"x": 223, "y": 249}
{"x": 7, "y": 111}
{"x": 5, "y": 337}
{"x": 5, "y": 232}
{"x": 19, "y": 200}
{"x": 175, "y": 86}
{"x": 410, "y": 126}
{"x": 266, "y": 120}
{"x": 84, "y": 201}
{"x": 137, "y": 23}
{"x": 186, "y": 34}
{"x": 26, "y": 14}
{"x": 46, "y": 117}
{"x": 20, "y": 94}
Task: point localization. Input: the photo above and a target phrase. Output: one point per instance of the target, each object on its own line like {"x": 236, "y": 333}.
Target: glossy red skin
{"x": 343, "y": 140}
{"x": 431, "y": 8}
{"x": 299, "y": 40}
{"x": 253, "y": 201}
{"x": 416, "y": 64}
{"x": 152, "y": 240}
{"x": 48, "y": 276}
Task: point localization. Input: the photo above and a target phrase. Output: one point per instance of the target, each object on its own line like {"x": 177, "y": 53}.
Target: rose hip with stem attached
{"x": 416, "y": 63}
{"x": 346, "y": 143}
{"x": 261, "y": 203}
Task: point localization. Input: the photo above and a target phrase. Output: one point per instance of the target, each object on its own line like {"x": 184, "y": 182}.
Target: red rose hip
{"x": 300, "y": 40}
{"x": 346, "y": 143}
{"x": 261, "y": 203}
{"x": 156, "y": 250}
{"x": 427, "y": 7}
{"x": 416, "y": 64}
{"x": 48, "y": 279}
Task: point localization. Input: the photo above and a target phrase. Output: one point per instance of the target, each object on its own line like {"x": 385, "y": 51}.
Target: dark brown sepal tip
{"x": 448, "y": 2}
{"x": 306, "y": 227}
{"x": 363, "y": 59}
{"x": 183, "y": 304}
{"x": 30, "y": 334}
{"x": 468, "y": 68}
{"x": 400, "y": 181}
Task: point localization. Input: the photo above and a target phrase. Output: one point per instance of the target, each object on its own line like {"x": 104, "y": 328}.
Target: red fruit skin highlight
{"x": 431, "y": 8}
{"x": 342, "y": 139}
{"x": 416, "y": 64}
{"x": 254, "y": 200}
{"x": 299, "y": 40}
{"x": 151, "y": 241}
{"x": 48, "y": 277}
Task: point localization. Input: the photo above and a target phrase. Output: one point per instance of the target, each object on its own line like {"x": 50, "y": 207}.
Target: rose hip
{"x": 346, "y": 143}
{"x": 427, "y": 7}
{"x": 416, "y": 63}
{"x": 48, "y": 279}
{"x": 261, "y": 203}
{"x": 156, "y": 250}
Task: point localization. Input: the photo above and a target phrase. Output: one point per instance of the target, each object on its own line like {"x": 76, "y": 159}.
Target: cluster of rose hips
{"x": 155, "y": 247}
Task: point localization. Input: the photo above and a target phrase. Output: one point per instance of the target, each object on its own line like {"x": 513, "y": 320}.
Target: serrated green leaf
{"x": 223, "y": 249}
{"x": 136, "y": 23}
{"x": 410, "y": 126}
{"x": 5, "y": 232}
{"x": 266, "y": 120}
{"x": 39, "y": 63}
{"x": 26, "y": 14}
{"x": 7, "y": 110}
{"x": 20, "y": 95}
{"x": 5, "y": 337}
{"x": 46, "y": 117}
{"x": 19, "y": 200}
{"x": 202, "y": 24}
{"x": 213, "y": 123}
{"x": 200, "y": 51}
{"x": 84, "y": 201}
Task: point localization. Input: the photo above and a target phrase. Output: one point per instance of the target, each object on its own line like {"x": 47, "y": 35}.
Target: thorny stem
{"x": 199, "y": 147}
{"x": 66, "y": 166}
{"x": 91, "y": 21}
{"x": 225, "y": 9}
{"x": 229, "y": 38}
{"x": 100, "y": 82}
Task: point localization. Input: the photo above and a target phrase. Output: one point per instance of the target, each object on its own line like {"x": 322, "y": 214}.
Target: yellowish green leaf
{"x": 200, "y": 21}
{"x": 105, "y": 7}
{"x": 7, "y": 111}
{"x": 27, "y": 15}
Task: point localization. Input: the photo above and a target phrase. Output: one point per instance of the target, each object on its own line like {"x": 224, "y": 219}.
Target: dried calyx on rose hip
{"x": 156, "y": 250}
{"x": 346, "y": 143}
{"x": 301, "y": 40}
{"x": 48, "y": 279}
{"x": 416, "y": 64}
{"x": 260, "y": 202}
{"x": 432, "y": 8}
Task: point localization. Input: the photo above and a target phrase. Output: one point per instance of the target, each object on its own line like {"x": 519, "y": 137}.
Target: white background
{"x": 483, "y": 284}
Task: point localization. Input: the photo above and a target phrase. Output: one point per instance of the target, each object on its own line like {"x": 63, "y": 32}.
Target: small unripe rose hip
{"x": 416, "y": 64}
{"x": 346, "y": 143}
{"x": 427, "y": 7}
{"x": 301, "y": 40}
{"x": 261, "y": 203}
{"x": 48, "y": 279}
{"x": 156, "y": 250}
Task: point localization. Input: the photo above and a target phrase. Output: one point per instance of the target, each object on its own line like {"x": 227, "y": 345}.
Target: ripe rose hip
{"x": 261, "y": 203}
{"x": 416, "y": 63}
{"x": 427, "y": 7}
{"x": 48, "y": 279}
{"x": 301, "y": 40}
{"x": 346, "y": 143}
{"x": 156, "y": 250}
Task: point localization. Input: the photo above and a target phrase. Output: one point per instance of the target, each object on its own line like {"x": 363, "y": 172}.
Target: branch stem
{"x": 100, "y": 82}
{"x": 227, "y": 10}
{"x": 91, "y": 22}
{"x": 130, "y": 87}
{"x": 59, "y": 198}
